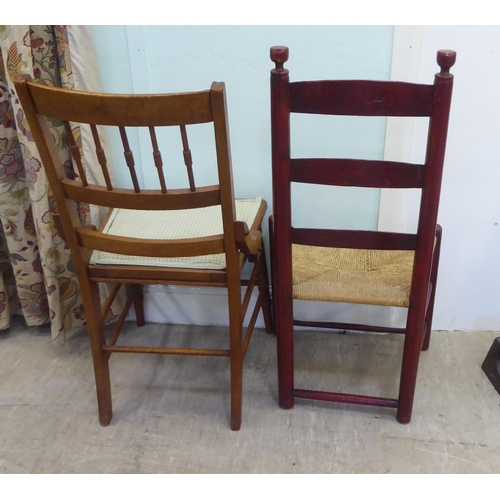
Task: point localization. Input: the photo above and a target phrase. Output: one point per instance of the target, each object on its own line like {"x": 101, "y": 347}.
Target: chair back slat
{"x": 188, "y": 159}
{"x": 361, "y": 98}
{"x": 188, "y": 247}
{"x": 177, "y": 199}
{"x": 101, "y": 157}
{"x": 129, "y": 159}
{"x": 359, "y": 173}
{"x": 341, "y": 238}
{"x": 75, "y": 152}
{"x": 158, "y": 159}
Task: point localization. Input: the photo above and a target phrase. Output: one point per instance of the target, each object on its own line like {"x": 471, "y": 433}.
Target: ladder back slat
{"x": 101, "y": 157}
{"x": 341, "y": 238}
{"x": 129, "y": 159}
{"x": 361, "y": 98}
{"x": 75, "y": 153}
{"x": 188, "y": 159}
{"x": 157, "y": 159}
{"x": 360, "y": 173}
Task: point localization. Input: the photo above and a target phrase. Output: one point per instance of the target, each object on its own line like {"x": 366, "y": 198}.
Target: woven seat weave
{"x": 172, "y": 224}
{"x": 376, "y": 277}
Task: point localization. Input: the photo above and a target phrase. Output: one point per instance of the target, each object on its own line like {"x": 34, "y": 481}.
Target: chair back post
{"x": 224, "y": 166}
{"x": 53, "y": 168}
{"x": 426, "y": 233}
{"x": 433, "y": 173}
{"x": 282, "y": 249}
{"x": 222, "y": 145}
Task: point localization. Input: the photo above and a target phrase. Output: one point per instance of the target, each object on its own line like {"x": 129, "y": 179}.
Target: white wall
{"x": 468, "y": 293}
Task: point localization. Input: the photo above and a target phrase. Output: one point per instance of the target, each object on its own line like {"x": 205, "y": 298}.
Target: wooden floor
{"x": 171, "y": 414}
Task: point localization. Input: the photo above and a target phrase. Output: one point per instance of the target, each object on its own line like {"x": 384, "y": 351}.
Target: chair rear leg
{"x": 433, "y": 280}
{"x": 282, "y": 307}
{"x": 236, "y": 352}
{"x": 95, "y": 328}
{"x": 285, "y": 348}
{"x": 137, "y": 290}
{"x": 283, "y": 323}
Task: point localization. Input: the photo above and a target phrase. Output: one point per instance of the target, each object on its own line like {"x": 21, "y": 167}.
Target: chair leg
{"x": 285, "y": 347}
{"x": 272, "y": 265}
{"x": 95, "y": 327}
{"x": 282, "y": 307}
{"x": 263, "y": 282}
{"x": 138, "y": 304}
{"x": 236, "y": 352}
{"x": 409, "y": 367}
{"x": 283, "y": 323}
{"x": 433, "y": 281}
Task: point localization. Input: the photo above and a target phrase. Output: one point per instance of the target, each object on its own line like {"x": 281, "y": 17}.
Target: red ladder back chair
{"x": 407, "y": 263}
{"x": 194, "y": 236}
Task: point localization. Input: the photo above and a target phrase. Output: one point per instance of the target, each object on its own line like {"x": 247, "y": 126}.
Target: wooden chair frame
{"x": 239, "y": 243}
{"x": 361, "y": 98}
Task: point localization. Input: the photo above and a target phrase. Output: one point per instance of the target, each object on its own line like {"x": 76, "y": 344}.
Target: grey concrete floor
{"x": 171, "y": 413}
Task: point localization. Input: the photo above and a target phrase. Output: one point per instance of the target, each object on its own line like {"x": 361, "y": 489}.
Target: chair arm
{"x": 248, "y": 242}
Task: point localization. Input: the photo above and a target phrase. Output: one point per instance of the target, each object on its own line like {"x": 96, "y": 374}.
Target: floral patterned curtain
{"x": 37, "y": 277}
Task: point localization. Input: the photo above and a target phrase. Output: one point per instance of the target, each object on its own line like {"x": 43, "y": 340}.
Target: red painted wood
{"x": 361, "y": 98}
{"x": 344, "y": 238}
{"x": 348, "y": 326}
{"x": 360, "y": 173}
{"x": 370, "y": 99}
{"x": 336, "y": 397}
{"x": 434, "y": 274}
{"x": 282, "y": 248}
{"x": 436, "y": 144}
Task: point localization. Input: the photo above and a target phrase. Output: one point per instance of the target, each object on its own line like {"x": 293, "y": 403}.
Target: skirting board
{"x": 208, "y": 306}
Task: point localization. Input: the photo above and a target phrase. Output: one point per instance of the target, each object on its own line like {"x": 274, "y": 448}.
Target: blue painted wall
{"x": 144, "y": 59}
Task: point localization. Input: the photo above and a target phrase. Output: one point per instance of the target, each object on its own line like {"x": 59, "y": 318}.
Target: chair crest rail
{"x": 361, "y": 98}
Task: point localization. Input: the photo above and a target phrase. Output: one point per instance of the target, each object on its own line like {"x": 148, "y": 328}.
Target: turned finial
{"x": 446, "y": 59}
{"x": 279, "y": 55}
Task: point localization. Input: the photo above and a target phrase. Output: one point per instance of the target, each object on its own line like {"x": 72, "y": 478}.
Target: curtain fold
{"x": 38, "y": 278}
